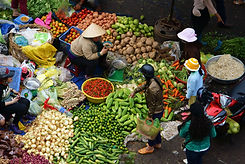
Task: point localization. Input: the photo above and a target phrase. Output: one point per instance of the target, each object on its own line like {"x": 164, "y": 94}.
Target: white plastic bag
{"x": 34, "y": 109}
{"x": 65, "y": 75}
{"x": 9, "y": 61}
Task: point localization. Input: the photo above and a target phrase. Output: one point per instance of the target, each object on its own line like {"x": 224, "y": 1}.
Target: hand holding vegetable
{"x": 104, "y": 51}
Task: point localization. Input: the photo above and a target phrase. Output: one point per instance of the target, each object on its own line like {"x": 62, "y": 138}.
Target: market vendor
{"x": 91, "y": 4}
{"x": 22, "y": 5}
{"x": 195, "y": 80}
{"x": 87, "y": 51}
{"x": 153, "y": 93}
{"x": 189, "y": 45}
{"x": 10, "y": 101}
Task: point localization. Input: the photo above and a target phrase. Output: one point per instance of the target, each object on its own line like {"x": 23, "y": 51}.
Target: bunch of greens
{"x": 38, "y": 8}
{"x": 235, "y": 47}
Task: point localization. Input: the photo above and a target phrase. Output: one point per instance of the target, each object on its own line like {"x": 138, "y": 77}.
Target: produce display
{"x": 125, "y": 24}
{"x": 105, "y": 20}
{"x": 57, "y": 28}
{"x": 69, "y": 95}
{"x": 48, "y": 136}
{"x": 226, "y": 68}
{"x": 74, "y": 19}
{"x": 72, "y": 35}
{"x": 9, "y": 147}
{"x": 97, "y": 88}
{"x": 29, "y": 158}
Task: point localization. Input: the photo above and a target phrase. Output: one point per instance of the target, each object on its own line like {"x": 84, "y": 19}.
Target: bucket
{"x": 164, "y": 31}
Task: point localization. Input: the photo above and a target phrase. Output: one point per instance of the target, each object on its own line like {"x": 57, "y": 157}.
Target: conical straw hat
{"x": 93, "y": 31}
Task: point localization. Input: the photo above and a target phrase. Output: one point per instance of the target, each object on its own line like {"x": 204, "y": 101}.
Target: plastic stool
{"x": 69, "y": 65}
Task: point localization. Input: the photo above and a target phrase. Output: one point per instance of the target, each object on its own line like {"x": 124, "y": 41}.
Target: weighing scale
{"x": 117, "y": 70}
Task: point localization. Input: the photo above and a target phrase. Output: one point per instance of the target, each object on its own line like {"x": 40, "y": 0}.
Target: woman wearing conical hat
{"x": 87, "y": 50}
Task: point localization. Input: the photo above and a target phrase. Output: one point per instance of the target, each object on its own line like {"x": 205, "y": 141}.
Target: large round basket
{"x": 16, "y": 50}
{"x": 95, "y": 100}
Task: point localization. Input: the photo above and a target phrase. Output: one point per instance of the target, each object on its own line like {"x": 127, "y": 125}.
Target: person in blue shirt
{"x": 195, "y": 80}
{"x": 197, "y": 131}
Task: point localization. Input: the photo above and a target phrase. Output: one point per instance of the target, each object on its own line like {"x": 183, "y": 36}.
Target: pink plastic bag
{"x": 41, "y": 23}
{"x": 48, "y": 19}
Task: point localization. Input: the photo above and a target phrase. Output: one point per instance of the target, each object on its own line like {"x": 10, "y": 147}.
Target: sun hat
{"x": 188, "y": 35}
{"x": 5, "y": 73}
{"x": 93, "y": 31}
{"x": 192, "y": 64}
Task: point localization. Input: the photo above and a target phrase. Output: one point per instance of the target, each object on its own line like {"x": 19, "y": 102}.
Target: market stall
{"x": 82, "y": 120}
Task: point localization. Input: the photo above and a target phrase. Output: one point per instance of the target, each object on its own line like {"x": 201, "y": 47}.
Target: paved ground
{"x": 224, "y": 150}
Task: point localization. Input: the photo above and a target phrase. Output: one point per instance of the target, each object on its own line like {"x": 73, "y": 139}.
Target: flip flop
{"x": 145, "y": 151}
{"x": 155, "y": 146}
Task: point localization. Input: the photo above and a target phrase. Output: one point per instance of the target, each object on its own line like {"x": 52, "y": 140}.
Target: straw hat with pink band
{"x": 192, "y": 64}
{"x": 188, "y": 35}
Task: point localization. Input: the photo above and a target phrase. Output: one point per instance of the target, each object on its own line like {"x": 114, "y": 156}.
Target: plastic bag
{"x": 21, "y": 41}
{"x": 175, "y": 48}
{"x": 41, "y": 36}
{"x": 34, "y": 109}
{"x": 149, "y": 130}
{"x": 65, "y": 75}
{"x": 3, "y": 49}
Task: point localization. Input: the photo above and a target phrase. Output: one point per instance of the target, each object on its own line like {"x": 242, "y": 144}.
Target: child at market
{"x": 23, "y": 7}
{"x": 189, "y": 45}
{"x": 195, "y": 80}
{"x": 197, "y": 130}
{"x": 91, "y": 4}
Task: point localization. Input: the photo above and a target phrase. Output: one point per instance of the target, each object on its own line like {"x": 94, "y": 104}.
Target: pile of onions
{"x": 29, "y": 158}
{"x": 105, "y": 20}
{"x": 49, "y": 135}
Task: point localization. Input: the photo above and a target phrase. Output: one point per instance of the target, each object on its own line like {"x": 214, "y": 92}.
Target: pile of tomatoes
{"x": 72, "y": 35}
{"x": 75, "y": 18}
{"x": 57, "y": 28}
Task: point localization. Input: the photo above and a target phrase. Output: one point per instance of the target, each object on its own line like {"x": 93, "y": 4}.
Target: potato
{"x": 129, "y": 60}
{"x": 122, "y": 43}
{"x": 120, "y": 51}
{"x": 130, "y": 50}
{"x": 137, "y": 51}
{"x": 119, "y": 47}
{"x": 135, "y": 62}
{"x": 145, "y": 55}
{"x": 133, "y": 38}
{"x": 127, "y": 56}
{"x": 123, "y": 36}
{"x": 134, "y": 58}
{"x": 115, "y": 34}
{"x": 125, "y": 52}
{"x": 117, "y": 42}
{"x": 138, "y": 56}
{"x": 152, "y": 55}
{"x": 112, "y": 40}
{"x": 131, "y": 43}
{"x": 143, "y": 49}
{"x": 143, "y": 39}
{"x": 155, "y": 44}
{"x": 127, "y": 45}
{"x": 149, "y": 41}
{"x": 148, "y": 48}
{"x": 139, "y": 44}
{"x": 129, "y": 34}
{"x": 134, "y": 46}
{"x": 127, "y": 39}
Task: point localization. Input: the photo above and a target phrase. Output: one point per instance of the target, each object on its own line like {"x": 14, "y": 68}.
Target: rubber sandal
{"x": 157, "y": 146}
{"x": 145, "y": 151}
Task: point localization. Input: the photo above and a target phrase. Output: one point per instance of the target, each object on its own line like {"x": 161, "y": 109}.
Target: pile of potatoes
{"x": 135, "y": 48}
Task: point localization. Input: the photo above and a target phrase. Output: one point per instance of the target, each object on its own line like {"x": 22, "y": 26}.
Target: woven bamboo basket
{"x": 16, "y": 50}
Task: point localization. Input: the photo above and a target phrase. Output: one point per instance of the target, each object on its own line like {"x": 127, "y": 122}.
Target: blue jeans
{"x": 158, "y": 139}
{"x": 194, "y": 157}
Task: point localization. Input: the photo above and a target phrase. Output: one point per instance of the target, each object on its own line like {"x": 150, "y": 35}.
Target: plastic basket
{"x": 96, "y": 99}
{"x": 15, "y": 84}
{"x": 63, "y": 43}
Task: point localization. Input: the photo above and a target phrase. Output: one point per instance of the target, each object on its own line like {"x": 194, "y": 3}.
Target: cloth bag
{"x": 149, "y": 131}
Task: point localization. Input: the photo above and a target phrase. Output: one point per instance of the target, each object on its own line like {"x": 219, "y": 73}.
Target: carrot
{"x": 176, "y": 93}
{"x": 175, "y": 64}
{"x": 166, "y": 103}
{"x": 177, "y": 67}
{"x": 169, "y": 109}
{"x": 170, "y": 84}
{"x": 182, "y": 99}
{"x": 166, "y": 84}
{"x": 165, "y": 96}
{"x": 158, "y": 76}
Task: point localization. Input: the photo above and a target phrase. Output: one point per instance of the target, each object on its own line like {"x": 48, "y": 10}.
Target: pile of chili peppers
{"x": 98, "y": 88}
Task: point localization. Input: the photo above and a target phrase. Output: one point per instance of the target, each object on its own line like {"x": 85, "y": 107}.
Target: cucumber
{"x": 124, "y": 112}
{"x": 124, "y": 118}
